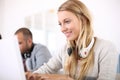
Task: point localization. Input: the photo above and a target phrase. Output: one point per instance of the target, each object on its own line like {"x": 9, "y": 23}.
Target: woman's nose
{"x": 63, "y": 28}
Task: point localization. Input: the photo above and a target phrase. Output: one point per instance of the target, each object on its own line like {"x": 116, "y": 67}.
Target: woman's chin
{"x": 70, "y": 39}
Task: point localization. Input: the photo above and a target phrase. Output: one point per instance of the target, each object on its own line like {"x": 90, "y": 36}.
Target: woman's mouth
{"x": 67, "y": 34}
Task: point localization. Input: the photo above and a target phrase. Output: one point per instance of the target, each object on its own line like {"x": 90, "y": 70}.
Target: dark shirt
{"x": 25, "y": 56}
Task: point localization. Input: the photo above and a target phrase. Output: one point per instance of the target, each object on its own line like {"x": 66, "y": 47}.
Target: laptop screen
{"x": 11, "y": 66}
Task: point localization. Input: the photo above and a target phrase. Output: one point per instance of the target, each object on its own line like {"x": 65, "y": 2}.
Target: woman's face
{"x": 70, "y": 24}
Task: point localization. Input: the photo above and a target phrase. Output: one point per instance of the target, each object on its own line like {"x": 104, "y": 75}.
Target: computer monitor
{"x": 11, "y": 66}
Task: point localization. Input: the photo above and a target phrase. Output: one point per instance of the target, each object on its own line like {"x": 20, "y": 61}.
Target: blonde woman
{"x": 84, "y": 57}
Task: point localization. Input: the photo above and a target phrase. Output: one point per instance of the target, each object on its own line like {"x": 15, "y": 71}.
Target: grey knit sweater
{"x": 105, "y": 61}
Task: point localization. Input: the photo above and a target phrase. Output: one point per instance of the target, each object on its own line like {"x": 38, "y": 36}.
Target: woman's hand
{"x": 31, "y": 76}
{"x": 54, "y": 77}
{"x": 36, "y": 76}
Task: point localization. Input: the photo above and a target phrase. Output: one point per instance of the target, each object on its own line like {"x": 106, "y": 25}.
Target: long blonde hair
{"x": 84, "y": 39}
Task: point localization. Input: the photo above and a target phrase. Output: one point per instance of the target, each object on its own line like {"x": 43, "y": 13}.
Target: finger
{"x": 38, "y": 78}
{"x": 29, "y": 76}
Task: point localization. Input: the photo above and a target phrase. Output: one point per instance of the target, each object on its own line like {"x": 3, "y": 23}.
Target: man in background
{"x": 33, "y": 55}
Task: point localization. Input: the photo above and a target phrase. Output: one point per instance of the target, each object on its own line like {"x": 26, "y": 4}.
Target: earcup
{"x": 69, "y": 50}
{"x": 83, "y": 53}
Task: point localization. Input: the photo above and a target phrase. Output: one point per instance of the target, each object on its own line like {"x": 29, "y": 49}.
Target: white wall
{"x": 105, "y": 15}
{"x": 1, "y": 15}
{"x": 16, "y": 10}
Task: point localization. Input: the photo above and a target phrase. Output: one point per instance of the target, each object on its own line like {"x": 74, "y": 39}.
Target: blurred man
{"x": 33, "y": 55}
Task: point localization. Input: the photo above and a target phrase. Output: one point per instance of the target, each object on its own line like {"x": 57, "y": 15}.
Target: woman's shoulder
{"x": 104, "y": 46}
{"x": 99, "y": 42}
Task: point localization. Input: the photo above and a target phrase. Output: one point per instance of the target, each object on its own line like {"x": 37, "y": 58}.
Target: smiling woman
{"x": 84, "y": 56}
{"x": 106, "y": 21}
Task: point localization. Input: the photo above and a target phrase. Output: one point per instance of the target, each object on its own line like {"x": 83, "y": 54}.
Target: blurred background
{"x": 40, "y": 16}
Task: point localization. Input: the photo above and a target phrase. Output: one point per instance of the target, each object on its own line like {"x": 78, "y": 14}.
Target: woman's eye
{"x": 67, "y": 21}
{"x": 59, "y": 24}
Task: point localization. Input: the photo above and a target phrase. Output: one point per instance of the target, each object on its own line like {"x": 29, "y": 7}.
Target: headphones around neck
{"x": 83, "y": 53}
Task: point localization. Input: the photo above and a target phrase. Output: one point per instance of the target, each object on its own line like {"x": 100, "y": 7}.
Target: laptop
{"x": 11, "y": 66}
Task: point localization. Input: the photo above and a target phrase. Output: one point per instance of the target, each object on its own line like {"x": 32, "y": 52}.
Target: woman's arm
{"x": 36, "y": 76}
